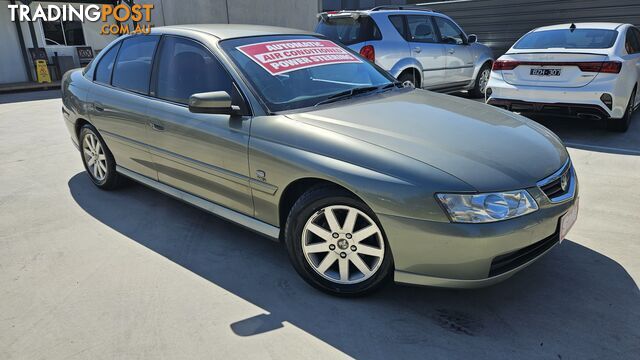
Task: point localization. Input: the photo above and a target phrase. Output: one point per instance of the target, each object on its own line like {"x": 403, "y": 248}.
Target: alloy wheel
{"x": 343, "y": 244}
{"x": 484, "y": 80}
{"x": 94, "y": 157}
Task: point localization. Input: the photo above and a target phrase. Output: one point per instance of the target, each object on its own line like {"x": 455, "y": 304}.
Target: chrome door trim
{"x": 213, "y": 208}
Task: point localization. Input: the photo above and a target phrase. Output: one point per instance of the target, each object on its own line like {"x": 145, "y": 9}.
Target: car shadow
{"x": 574, "y": 302}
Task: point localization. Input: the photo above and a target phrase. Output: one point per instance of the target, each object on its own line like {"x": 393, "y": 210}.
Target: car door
{"x": 459, "y": 55}
{"x": 203, "y": 154}
{"x": 423, "y": 42}
{"x": 119, "y": 99}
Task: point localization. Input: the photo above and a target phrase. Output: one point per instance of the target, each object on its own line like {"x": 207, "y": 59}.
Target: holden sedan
{"x": 302, "y": 140}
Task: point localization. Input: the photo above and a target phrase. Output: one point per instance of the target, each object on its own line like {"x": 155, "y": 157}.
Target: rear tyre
{"x": 97, "y": 159}
{"x": 409, "y": 79}
{"x": 622, "y": 125}
{"x": 482, "y": 80}
{"x": 336, "y": 243}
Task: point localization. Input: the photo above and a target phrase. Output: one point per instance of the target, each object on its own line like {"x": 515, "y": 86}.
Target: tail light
{"x": 368, "y": 52}
{"x": 609, "y": 67}
{"x": 505, "y": 65}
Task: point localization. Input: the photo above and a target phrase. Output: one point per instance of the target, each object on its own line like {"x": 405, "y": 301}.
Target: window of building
{"x": 67, "y": 33}
{"x": 133, "y": 67}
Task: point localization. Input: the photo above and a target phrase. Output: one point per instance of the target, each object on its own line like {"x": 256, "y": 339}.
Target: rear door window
{"x": 133, "y": 67}
{"x": 420, "y": 29}
{"x": 632, "y": 42}
{"x": 348, "y": 30}
{"x": 105, "y": 66}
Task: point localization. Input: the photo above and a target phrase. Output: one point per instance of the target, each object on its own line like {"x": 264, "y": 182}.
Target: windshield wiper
{"x": 348, "y": 94}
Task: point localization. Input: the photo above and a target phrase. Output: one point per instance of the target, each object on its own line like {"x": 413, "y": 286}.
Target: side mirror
{"x": 216, "y": 102}
{"x": 473, "y": 38}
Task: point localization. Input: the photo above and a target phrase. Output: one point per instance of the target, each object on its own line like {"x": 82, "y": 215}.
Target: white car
{"x": 584, "y": 70}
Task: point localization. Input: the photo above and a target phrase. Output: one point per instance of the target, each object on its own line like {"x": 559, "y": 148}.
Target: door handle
{"x": 417, "y": 49}
{"x": 156, "y": 127}
{"x": 452, "y": 51}
{"x": 98, "y": 108}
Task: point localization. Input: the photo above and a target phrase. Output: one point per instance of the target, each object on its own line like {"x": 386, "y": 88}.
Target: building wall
{"x": 11, "y": 64}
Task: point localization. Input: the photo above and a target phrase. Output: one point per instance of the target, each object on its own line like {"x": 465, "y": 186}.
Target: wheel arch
{"x": 407, "y": 64}
{"x": 297, "y": 188}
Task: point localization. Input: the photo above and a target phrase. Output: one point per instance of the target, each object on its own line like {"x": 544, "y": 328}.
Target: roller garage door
{"x": 499, "y": 23}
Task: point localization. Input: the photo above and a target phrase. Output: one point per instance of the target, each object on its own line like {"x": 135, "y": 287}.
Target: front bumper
{"x": 472, "y": 255}
{"x": 570, "y": 101}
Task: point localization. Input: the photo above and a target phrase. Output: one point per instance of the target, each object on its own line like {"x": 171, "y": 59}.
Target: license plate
{"x": 546, "y": 72}
{"x": 568, "y": 220}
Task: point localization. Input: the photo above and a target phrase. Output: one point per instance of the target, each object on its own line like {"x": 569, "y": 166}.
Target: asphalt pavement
{"x": 89, "y": 274}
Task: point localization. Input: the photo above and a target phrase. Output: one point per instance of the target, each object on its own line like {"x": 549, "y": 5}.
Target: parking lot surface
{"x": 89, "y": 274}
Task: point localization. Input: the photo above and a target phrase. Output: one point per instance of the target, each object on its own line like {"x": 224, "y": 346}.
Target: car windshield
{"x": 291, "y": 72}
{"x": 567, "y": 39}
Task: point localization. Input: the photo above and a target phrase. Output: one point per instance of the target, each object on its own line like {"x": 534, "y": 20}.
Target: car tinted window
{"x": 105, "y": 66}
{"x": 186, "y": 68}
{"x": 133, "y": 66}
{"x": 568, "y": 39}
{"x": 636, "y": 36}
{"x": 450, "y": 33}
{"x": 632, "y": 42}
{"x": 398, "y": 22}
{"x": 420, "y": 29}
{"x": 348, "y": 30}
{"x": 306, "y": 85}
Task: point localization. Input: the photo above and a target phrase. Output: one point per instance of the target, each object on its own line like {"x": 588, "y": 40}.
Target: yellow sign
{"x": 42, "y": 71}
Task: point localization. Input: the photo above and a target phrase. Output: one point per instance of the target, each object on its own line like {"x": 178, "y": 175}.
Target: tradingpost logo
{"x": 108, "y": 14}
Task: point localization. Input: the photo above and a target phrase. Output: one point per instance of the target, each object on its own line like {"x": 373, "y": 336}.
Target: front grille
{"x": 553, "y": 185}
{"x": 507, "y": 262}
{"x": 554, "y": 188}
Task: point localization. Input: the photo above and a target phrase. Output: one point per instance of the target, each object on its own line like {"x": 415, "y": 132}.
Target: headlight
{"x": 489, "y": 207}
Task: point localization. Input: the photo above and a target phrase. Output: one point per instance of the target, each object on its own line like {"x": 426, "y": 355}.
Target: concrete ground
{"x": 89, "y": 274}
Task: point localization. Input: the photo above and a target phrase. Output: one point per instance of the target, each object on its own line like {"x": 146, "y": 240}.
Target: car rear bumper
{"x": 472, "y": 255}
{"x": 586, "y": 111}
{"x": 568, "y": 101}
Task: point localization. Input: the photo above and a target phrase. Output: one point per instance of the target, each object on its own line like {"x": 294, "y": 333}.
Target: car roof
{"x": 229, "y": 31}
{"x": 585, "y": 25}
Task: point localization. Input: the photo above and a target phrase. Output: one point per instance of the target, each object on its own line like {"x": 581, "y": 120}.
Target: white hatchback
{"x": 584, "y": 70}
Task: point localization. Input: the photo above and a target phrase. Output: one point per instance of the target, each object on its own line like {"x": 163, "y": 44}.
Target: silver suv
{"x": 419, "y": 47}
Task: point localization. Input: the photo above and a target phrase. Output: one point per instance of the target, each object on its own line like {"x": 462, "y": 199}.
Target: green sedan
{"x": 300, "y": 139}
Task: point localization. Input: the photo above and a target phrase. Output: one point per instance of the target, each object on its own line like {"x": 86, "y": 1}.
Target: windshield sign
{"x": 297, "y": 71}
{"x": 279, "y": 57}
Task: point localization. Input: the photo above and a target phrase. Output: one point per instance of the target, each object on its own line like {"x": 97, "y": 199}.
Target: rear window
{"x": 567, "y": 39}
{"x": 348, "y": 30}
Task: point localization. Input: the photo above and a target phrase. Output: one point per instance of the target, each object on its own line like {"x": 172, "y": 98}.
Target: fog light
{"x": 607, "y": 100}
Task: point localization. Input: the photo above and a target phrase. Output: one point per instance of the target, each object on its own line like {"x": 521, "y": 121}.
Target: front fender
{"x": 404, "y": 64}
{"x": 482, "y": 55}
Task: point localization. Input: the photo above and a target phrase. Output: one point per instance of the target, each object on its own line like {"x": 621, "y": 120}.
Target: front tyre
{"x": 622, "y": 125}
{"x": 97, "y": 159}
{"x": 336, "y": 243}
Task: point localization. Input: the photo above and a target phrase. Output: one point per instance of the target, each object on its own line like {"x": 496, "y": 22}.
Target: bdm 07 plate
{"x": 546, "y": 72}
